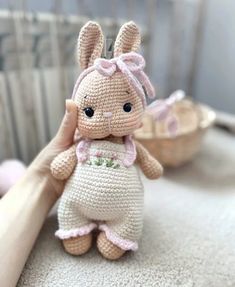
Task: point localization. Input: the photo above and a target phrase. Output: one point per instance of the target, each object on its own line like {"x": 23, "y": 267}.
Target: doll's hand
{"x": 151, "y": 168}
{"x": 40, "y": 167}
{"x": 64, "y": 163}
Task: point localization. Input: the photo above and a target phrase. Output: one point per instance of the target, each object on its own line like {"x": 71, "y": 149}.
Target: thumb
{"x": 65, "y": 134}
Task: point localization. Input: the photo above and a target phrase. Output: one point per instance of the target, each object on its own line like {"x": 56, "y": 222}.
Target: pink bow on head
{"x": 130, "y": 64}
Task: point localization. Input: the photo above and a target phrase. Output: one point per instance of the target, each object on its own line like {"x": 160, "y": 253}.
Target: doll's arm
{"x": 151, "y": 168}
{"x": 63, "y": 165}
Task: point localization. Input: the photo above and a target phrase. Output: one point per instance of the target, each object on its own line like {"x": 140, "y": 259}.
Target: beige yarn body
{"x": 110, "y": 197}
{"x": 103, "y": 188}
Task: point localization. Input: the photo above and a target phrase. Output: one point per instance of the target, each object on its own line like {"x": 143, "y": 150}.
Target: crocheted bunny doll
{"x": 103, "y": 190}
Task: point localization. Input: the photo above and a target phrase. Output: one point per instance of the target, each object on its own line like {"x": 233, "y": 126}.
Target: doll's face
{"x": 107, "y": 106}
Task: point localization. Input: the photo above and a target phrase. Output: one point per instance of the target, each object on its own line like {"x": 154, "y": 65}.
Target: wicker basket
{"x": 173, "y": 151}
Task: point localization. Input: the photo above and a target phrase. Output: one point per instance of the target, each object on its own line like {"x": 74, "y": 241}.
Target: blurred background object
{"x": 10, "y": 172}
{"x": 173, "y": 129}
{"x": 188, "y": 44}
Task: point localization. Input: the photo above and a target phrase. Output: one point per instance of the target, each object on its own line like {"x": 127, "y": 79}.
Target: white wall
{"x": 215, "y": 80}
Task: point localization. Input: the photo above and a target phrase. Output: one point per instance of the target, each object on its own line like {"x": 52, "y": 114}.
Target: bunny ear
{"x": 128, "y": 39}
{"x": 90, "y": 44}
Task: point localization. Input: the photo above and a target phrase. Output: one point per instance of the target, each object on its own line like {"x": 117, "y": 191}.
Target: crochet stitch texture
{"x": 103, "y": 189}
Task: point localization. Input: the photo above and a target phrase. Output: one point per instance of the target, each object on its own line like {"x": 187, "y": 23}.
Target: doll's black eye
{"x": 89, "y": 112}
{"x": 127, "y": 107}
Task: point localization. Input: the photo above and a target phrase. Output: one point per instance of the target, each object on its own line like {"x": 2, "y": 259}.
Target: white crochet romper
{"x": 104, "y": 192}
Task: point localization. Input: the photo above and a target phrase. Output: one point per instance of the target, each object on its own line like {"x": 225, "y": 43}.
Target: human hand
{"x": 40, "y": 167}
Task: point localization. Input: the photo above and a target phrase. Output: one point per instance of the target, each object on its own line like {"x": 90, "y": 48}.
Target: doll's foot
{"x": 107, "y": 248}
{"x": 78, "y": 245}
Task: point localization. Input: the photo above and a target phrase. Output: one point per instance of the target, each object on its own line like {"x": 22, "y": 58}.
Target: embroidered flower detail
{"x": 114, "y": 156}
{"x": 117, "y": 165}
{"x": 99, "y": 161}
{"x": 98, "y": 153}
{"x": 103, "y": 162}
{"x": 109, "y": 163}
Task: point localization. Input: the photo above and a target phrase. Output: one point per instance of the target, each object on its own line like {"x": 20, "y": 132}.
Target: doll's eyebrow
{"x": 127, "y": 92}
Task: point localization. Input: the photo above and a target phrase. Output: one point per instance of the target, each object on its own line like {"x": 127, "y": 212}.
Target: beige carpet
{"x": 188, "y": 239}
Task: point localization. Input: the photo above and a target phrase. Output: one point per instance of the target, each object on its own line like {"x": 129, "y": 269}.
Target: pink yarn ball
{"x": 10, "y": 172}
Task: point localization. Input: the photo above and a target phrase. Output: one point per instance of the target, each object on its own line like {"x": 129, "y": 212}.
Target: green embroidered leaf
{"x": 117, "y": 165}
{"x": 99, "y": 161}
{"x": 109, "y": 162}
{"x": 89, "y": 162}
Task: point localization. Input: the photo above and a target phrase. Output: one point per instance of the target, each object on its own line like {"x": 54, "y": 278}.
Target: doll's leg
{"x": 78, "y": 245}
{"x": 117, "y": 237}
{"x": 74, "y": 228}
{"x": 107, "y": 248}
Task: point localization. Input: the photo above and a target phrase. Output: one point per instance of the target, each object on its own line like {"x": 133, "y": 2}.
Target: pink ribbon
{"x": 131, "y": 65}
{"x": 161, "y": 110}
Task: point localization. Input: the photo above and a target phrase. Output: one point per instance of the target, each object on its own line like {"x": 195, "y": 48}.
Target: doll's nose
{"x": 107, "y": 114}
